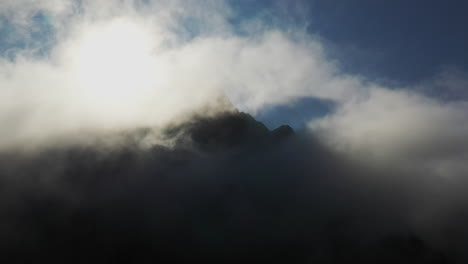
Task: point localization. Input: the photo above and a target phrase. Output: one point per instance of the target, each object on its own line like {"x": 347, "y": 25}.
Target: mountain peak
{"x": 230, "y": 130}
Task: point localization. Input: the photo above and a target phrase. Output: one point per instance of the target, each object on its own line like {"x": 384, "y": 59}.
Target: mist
{"x": 128, "y": 133}
{"x": 229, "y": 190}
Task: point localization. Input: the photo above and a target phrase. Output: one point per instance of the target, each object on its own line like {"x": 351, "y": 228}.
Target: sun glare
{"x": 113, "y": 64}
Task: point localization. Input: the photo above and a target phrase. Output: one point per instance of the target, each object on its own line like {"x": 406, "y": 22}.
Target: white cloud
{"x": 121, "y": 64}
{"x": 117, "y": 65}
{"x": 400, "y": 128}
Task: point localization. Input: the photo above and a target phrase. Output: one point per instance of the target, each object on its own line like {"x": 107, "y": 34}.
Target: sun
{"x": 113, "y": 64}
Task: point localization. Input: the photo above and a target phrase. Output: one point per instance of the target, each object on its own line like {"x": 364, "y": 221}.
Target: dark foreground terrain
{"x": 225, "y": 190}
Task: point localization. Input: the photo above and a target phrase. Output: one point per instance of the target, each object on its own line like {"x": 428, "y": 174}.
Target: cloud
{"x": 117, "y": 79}
{"x": 402, "y": 128}
{"x": 121, "y": 64}
{"x": 116, "y": 65}
{"x": 108, "y": 68}
{"x": 21, "y": 11}
{"x": 228, "y": 190}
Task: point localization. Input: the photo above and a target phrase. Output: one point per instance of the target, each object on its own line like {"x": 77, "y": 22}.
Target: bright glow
{"x": 113, "y": 65}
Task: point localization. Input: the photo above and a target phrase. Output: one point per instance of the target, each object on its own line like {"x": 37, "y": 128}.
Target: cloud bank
{"x": 228, "y": 190}
{"x": 129, "y": 107}
{"x": 120, "y": 64}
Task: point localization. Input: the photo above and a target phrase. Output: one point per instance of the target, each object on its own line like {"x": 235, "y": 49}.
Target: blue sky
{"x": 404, "y": 41}
{"x": 397, "y": 42}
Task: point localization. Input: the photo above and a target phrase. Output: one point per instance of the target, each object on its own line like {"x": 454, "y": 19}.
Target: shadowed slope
{"x": 227, "y": 191}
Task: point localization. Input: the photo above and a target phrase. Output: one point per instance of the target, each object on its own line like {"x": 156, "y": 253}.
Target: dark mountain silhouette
{"x": 228, "y": 190}
{"x": 229, "y": 130}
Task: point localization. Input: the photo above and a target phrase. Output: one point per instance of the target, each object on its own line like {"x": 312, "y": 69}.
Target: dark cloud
{"x": 226, "y": 190}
